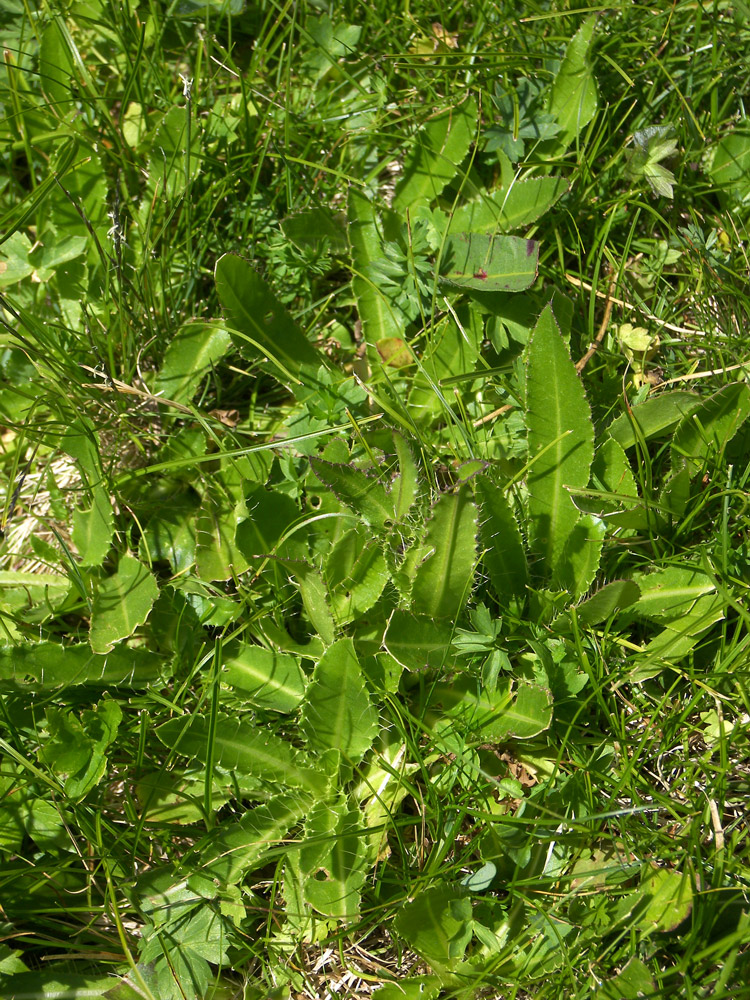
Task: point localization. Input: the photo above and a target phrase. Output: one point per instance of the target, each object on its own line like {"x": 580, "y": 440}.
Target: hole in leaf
{"x": 268, "y": 318}
{"x": 321, "y": 875}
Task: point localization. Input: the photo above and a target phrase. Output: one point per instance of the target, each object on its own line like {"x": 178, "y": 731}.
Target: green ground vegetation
{"x": 375, "y": 458}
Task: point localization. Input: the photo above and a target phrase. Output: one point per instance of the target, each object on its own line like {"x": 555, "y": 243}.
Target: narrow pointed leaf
{"x": 573, "y": 97}
{"x": 605, "y": 602}
{"x": 702, "y": 434}
{"x": 406, "y": 485}
{"x": 261, "y": 324}
{"x": 443, "y": 581}
{"x": 314, "y": 597}
{"x": 561, "y": 440}
{"x": 439, "y": 147}
{"x": 581, "y": 556}
{"x": 381, "y": 319}
{"x": 654, "y": 418}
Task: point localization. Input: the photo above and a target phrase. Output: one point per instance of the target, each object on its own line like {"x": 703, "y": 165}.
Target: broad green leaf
{"x": 502, "y": 211}
{"x": 675, "y": 494}
{"x": 669, "y": 594}
{"x": 363, "y": 494}
{"x": 405, "y": 488}
{"x": 217, "y": 556}
{"x": 92, "y": 529}
{"x": 314, "y": 595}
{"x": 381, "y": 319}
{"x": 683, "y": 633}
{"x": 669, "y": 896}
{"x": 56, "y": 68}
{"x": 233, "y": 850}
{"x": 411, "y": 988}
{"x": 418, "y": 641}
{"x": 122, "y": 603}
{"x": 55, "y": 985}
{"x": 579, "y": 562}
{"x": 51, "y": 665}
{"x": 437, "y": 924}
{"x": 261, "y": 325}
{"x": 504, "y": 556}
{"x": 175, "y": 157}
{"x": 268, "y": 679}
{"x": 338, "y": 713}
{"x": 178, "y": 797}
{"x": 612, "y": 478}
{"x": 77, "y": 748}
{"x": 703, "y": 434}
{"x": 270, "y": 515}
{"x": 489, "y": 263}
{"x": 656, "y": 417}
{"x": 730, "y": 169}
{"x": 355, "y": 573}
{"x": 573, "y": 98}
{"x": 19, "y": 590}
{"x": 383, "y": 783}
{"x": 314, "y": 226}
{"x": 451, "y": 352}
{"x": 14, "y": 259}
{"x": 169, "y": 532}
{"x": 607, "y": 601}
{"x": 561, "y": 441}
{"x": 332, "y": 859}
{"x": 240, "y": 746}
{"x": 86, "y": 191}
{"x": 439, "y": 148}
{"x": 443, "y": 582}
{"x": 632, "y": 982}
{"x": 192, "y": 354}
{"x": 497, "y": 714}
{"x": 50, "y": 258}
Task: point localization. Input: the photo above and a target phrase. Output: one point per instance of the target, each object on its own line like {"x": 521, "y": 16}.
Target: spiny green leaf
{"x": 443, "y": 581}
{"x": 364, "y": 495}
{"x": 233, "y": 850}
{"x": 266, "y": 678}
{"x": 338, "y": 713}
{"x": 238, "y": 745}
{"x": 122, "y": 603}
{"x": 504, "y": 556}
